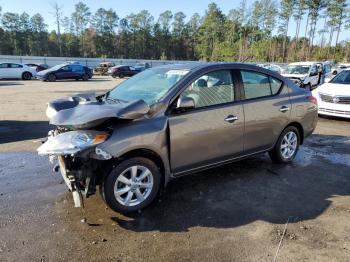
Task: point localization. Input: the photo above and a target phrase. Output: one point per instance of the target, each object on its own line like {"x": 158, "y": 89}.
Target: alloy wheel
{"x": 133, "y": 185}
{"x": 289, "y": 145}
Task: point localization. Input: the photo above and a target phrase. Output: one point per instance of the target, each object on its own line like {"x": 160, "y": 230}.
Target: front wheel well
{"x": 27, "y": 72}
{"x": 300, "y": 130}
{"x": 146, "y": 153}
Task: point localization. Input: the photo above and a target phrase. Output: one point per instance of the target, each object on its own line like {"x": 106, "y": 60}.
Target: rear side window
{"x": 259, "y": 85}
{"x": 3, "y": 66}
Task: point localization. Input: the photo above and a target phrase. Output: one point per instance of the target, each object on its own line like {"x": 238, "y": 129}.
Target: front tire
{"x": 286, "y": 147}
{"x": 132, "y": 185}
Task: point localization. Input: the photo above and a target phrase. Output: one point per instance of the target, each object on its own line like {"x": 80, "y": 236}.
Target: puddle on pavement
{"x": 322, "y": 148}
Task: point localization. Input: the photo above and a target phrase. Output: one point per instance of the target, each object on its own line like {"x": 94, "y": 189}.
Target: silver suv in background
{"x": 173, "y": 120}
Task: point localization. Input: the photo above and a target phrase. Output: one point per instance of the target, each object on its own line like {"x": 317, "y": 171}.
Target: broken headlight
{"x": 72, "y": 142}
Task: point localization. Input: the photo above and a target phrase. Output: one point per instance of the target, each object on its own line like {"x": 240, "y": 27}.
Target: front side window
{"x": 313, "y": 71}
{"x": 149, "y": 85}
{"x": 259, "y": 85}
{"x": 77, "y": 68}
{"x": 67, "y": 68}
{"x": 211, "y": 89}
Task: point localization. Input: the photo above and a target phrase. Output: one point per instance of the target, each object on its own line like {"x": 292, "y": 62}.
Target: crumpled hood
{"x": 300, "y": 76}
{"x": 86, "y": 111}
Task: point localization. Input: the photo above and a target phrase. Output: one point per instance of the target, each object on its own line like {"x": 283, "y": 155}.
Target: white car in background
{"x": 16, "y": 71}
{"x": 334, "y": 97}
{"x": 338, "y": 68}
{"x": 308, "y": 74}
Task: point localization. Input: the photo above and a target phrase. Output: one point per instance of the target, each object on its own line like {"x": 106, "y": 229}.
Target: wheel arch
{"x": 31, "y": 75}
{"x": 300, "y": 130}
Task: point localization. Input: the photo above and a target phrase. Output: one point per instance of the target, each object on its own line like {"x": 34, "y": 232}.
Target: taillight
{"x": 114, "y": 69}
{"x": 312, "y": 99}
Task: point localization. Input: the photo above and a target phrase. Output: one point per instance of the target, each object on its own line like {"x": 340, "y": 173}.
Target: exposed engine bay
{"x": 82, "y": 123}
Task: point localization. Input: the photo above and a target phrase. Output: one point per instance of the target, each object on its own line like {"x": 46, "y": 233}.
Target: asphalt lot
{"x": 234, "y": 213}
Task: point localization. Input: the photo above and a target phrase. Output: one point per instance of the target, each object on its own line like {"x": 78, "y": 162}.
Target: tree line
{"x": 247, "y": 33}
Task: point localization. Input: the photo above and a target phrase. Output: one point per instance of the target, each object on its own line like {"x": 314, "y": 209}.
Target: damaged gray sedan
{"x": 171, "y": 121}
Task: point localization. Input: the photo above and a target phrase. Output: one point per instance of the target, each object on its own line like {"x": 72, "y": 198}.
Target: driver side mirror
{"x": 185, "y": 103}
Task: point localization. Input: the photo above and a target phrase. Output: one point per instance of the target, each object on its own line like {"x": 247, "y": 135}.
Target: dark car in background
{"x": 65, "y": 71}
{"x": 122, "y": 71}
{"x": 38, "y": 67}
{"x": 142, "y": 66}
{"x": 173, "y": 120}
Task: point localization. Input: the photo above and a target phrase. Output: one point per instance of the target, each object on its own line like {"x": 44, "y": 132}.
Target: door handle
{"x": 231, "y": 118}
{"x": 284, "y": 109}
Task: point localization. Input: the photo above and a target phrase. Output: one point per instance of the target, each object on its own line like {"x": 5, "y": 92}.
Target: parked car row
{"x": 121, "y": 71}
{"x": 69, "y": 70}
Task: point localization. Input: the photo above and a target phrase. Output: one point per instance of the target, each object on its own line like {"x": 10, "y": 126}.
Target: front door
{"x": 211, "y": 132}
{"x": 65, "y": 72}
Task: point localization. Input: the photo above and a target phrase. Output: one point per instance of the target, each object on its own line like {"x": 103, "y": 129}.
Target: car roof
{"x": 201, "y": 65}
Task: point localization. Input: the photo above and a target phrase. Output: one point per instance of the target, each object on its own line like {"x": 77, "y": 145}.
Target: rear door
{"x": 266, "y": 107}
{"x": 211, "y": 132}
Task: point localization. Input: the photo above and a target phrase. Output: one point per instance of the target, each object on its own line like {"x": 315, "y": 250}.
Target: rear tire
{"x": 51, "y": 78}
{"x": 121, "y": 75}
{"x": 132, "y": 185}
{"x": 286, "y": 147}
{"x": 26, "y": 76}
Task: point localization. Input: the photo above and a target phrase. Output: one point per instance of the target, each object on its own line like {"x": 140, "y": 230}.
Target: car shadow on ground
{"x": 4, "y": 83}
{"x": 250, "y": 190}
{"x": 13, "y": 130}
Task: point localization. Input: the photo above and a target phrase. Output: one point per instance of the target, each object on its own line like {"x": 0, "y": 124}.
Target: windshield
{"x": 149, "y": 85}
{"x": 342, "y": 78}
{"x": 297, "y": 69}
